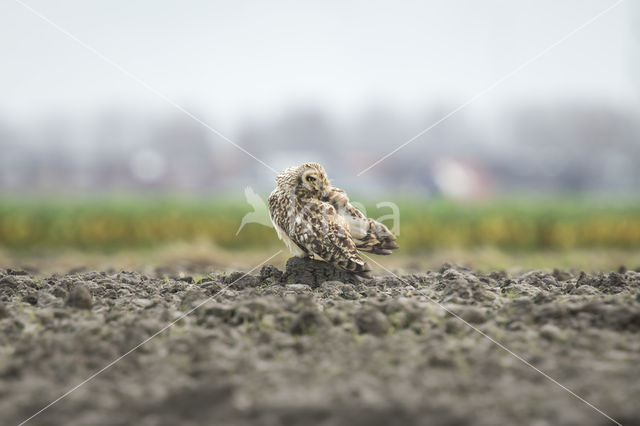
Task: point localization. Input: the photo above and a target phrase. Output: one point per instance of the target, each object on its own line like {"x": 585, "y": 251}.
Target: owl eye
{"x": 310, "y": 179}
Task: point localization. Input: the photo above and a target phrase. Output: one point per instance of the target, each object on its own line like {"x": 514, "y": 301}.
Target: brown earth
{"x": 304, "y": 347}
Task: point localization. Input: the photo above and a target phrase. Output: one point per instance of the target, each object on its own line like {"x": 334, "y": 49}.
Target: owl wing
{"x": 369, "y": 235}
{"x": 318, "y": 229}
{"x": 282, "y": 214}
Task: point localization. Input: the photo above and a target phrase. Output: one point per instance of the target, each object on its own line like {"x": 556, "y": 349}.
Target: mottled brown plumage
{"x": 313, "y": 217}
{"x": 369, "y": 235}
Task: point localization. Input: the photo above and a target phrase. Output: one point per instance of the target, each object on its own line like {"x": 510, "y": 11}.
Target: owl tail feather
{"x": 378, "y": 240}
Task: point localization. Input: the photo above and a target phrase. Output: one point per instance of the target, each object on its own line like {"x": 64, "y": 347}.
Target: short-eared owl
{"x": 314, "y": 218}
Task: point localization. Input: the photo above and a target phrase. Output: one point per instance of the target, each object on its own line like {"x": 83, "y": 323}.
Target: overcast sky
{"x": 234, "y": 59}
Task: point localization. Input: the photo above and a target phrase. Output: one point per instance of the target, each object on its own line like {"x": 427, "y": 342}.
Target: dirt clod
{"x": 314, "y": 272}
{"x": 372, "y": 321}
{"x": 551, "y": 332}
{"x": 31, "y": 298}
{"x": 9, "y": 282}
{"x": 309, "y": 321}
{"x": 80, "y": 297}
{"x": 4, "y": 312}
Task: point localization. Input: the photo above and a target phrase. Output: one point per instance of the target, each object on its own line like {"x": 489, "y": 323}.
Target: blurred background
{"x": 105, "y": 161}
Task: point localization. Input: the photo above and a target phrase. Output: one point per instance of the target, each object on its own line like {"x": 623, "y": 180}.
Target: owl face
{"x": 313, "y": 179}
{"x": 307, "y": 180}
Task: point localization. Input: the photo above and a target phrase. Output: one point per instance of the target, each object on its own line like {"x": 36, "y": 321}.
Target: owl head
{"x": 308, "y": 179}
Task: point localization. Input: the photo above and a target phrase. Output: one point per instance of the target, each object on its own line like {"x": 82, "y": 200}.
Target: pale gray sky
{"x": 228, "y": 60}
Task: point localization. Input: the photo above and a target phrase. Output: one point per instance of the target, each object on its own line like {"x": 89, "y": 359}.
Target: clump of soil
{"x": 314, "y": 272}
{"x": 310, "y": 346}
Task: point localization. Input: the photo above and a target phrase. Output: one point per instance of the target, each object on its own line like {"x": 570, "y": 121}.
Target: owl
{"x": 312, "y": 217}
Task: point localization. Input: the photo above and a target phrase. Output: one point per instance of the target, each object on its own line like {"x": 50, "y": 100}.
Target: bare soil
{"x": 304, "y": 346}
